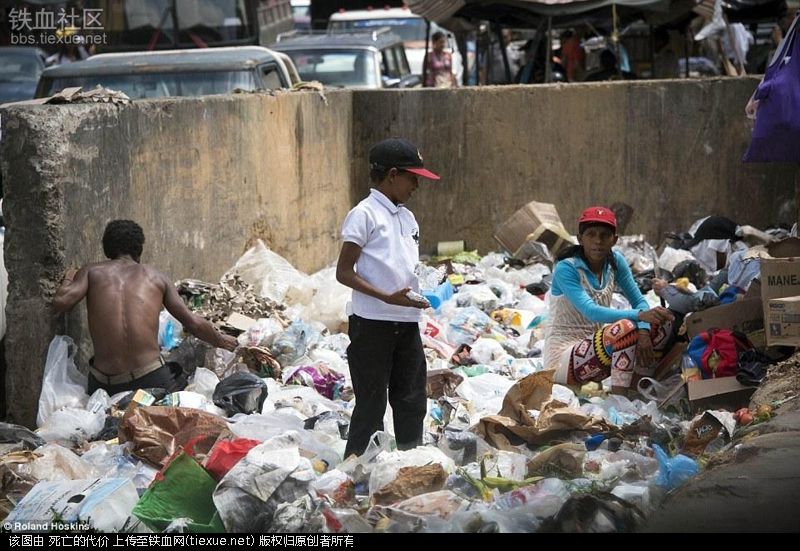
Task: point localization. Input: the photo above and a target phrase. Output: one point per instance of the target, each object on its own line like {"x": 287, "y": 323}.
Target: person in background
{"x": 587, "y": 339}
{"x": 573, "y": 58}
{"x": 124, "y": 299}
{"x": 497, "y": 70}
{"x": 379, "y": 255}
{"x": 439, "y": 64}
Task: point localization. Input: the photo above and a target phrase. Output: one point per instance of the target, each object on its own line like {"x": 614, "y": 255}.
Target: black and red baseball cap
{"x": 599, "y": 215}
{"x": 399, "y": 153}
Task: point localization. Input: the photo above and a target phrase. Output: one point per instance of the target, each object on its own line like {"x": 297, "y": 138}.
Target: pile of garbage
{"x": 255, "y": 441}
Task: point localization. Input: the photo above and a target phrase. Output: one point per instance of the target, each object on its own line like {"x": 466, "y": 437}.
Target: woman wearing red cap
{"x": 587, "y": 339}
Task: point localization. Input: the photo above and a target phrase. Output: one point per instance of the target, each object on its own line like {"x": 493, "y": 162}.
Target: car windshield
{"x": 348, "y": 68}
{"x": 157, "y": 85}
{"x": 408, "y": 28}
{"x": 16, "y": 67}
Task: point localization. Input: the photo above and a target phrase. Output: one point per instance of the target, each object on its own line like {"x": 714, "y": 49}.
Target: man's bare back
{"x": 124, "y": 299}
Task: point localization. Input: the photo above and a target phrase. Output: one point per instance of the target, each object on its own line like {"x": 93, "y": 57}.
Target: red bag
{"x": 227, "y": 453}
{"x": 716, "y": 352}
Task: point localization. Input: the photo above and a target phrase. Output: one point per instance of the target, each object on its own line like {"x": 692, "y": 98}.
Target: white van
{"x": 409, "y": 26}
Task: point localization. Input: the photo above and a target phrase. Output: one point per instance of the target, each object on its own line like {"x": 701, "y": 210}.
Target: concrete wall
{"x": 670, "y": 149}
{"x": 206, "y": 177}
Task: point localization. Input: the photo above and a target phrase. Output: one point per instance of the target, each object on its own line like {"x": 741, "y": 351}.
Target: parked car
{"x": 20, "y": 68}
{"x": 157, "y": 74}
{"x": 375, "y": 59}
{"x": 410, "y": 27}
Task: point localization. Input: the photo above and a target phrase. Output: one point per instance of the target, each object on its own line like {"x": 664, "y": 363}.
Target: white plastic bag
{"x": 273, "y": 276}
{"x": 388, "y": 464}
{"x": 487, "y": 351}
{"x": 330, "y": 300}
{"x": 62, "y": 385}
{"x": 203, "y": 382}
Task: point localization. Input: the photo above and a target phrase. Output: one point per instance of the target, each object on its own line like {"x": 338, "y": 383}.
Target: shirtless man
{"x": 124, "y": 299}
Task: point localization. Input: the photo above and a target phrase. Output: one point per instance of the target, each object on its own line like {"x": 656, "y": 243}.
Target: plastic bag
{"x": 429, "y": 277}
{"x": 203, "y": 382}
{"x": 486, "y": 351}
{"x": 110, "y": 461}
{"x": 652, "y": 389}
{"x": 388, "y": 464}
{"x": 183, "y": 490}
{"x": 639, "y": 254}
{"x": 62, "y": 385}
{"x": 674, "y": 471}
{"x": 226, "y": 454}
{"x": 261, "y": 333}
{"x": 170, "y": 331}
{"x": 271, "y": 473}
{"x": 292, "y": 344}
{"x": 19, "y": 435}
{"x": 273, "y": 276}
{"x": 59, "y": 463}
{"x": 468, "y": 325}
{"x": 330, "y": 300}
{"x": 240, "y": 393}
{"x": 326, "y": 381}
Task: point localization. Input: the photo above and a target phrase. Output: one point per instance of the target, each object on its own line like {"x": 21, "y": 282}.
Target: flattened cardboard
{"x": 721, "y": 393}
{"x": 240, "y": 322}
{"x": 746, "y": 316}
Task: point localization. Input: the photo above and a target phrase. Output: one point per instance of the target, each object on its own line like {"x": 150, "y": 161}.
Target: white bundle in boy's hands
{"x": 416, "y": 297}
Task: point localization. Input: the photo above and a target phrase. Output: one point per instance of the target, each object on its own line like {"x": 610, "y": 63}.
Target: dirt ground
{"x": 782, "y": 387}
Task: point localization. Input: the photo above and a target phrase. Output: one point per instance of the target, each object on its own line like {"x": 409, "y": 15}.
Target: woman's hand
{"x": 658, "y": 315}
{"x": 751, "y": 108}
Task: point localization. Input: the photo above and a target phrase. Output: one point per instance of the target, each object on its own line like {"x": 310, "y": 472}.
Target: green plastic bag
{"x": 182, "y": 490}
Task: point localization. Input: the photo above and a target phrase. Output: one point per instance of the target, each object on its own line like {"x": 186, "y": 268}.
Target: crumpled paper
{"x": 513, "y": 423}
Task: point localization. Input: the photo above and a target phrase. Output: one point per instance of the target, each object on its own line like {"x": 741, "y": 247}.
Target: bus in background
{"x": 170, "y": 24}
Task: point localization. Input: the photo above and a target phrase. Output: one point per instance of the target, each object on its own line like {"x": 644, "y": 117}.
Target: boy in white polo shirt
{"x": 377, "y": 261}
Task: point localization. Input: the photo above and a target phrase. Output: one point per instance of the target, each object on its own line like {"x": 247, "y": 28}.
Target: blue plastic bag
{"x": 674, "y": 471}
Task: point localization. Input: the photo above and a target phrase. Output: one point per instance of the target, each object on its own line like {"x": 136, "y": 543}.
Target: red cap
{"x": 424, "y": 172}
{"x": 602, "y": 215}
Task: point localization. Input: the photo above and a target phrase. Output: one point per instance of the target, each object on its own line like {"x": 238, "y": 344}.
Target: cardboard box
{"x": 722, "y": 393}
{"x": 783, "y": 321}
{"x": 780, "y": 275}
{"x": 745, "y": 315}
{"x": 535, "y": 221}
